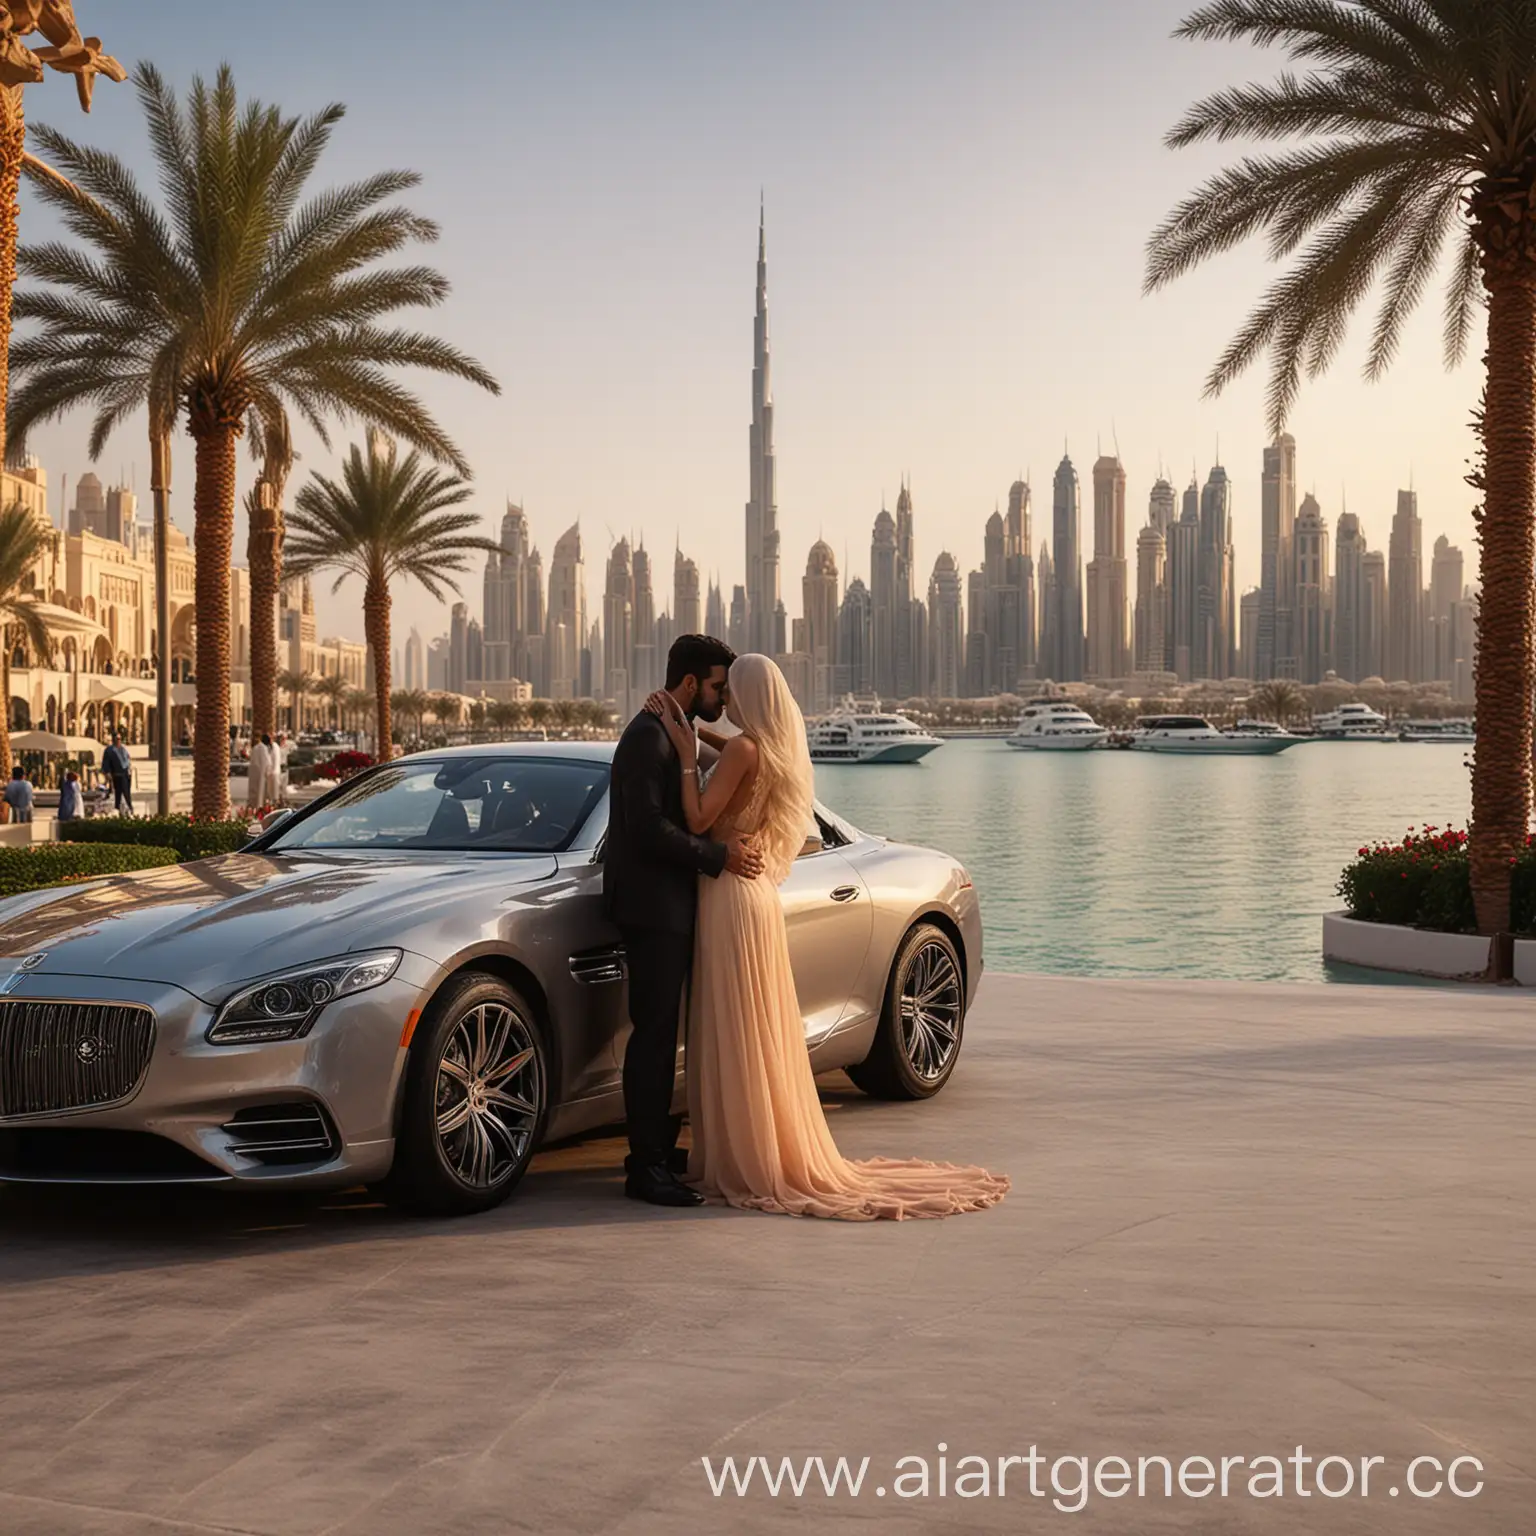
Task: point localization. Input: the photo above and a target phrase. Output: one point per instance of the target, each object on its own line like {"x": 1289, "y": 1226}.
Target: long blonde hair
{"x": 786, "y": 786}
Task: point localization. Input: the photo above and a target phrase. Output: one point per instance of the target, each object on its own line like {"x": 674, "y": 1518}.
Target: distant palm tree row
{"x": 230, "y": 304}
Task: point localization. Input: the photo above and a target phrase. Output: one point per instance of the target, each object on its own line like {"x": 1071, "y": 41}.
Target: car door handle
{"x": 845, "y": 893}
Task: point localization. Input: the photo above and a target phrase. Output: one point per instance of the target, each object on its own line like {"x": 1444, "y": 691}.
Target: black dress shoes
{"x": 658, "y": 1185}
{"x": 677, "y": 1161}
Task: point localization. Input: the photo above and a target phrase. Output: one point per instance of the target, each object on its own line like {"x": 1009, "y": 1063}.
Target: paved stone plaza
{"x": 1244, "y": 1217}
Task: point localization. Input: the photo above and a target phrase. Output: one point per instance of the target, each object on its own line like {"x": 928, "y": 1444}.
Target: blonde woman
{"x": 760, "y": 1138}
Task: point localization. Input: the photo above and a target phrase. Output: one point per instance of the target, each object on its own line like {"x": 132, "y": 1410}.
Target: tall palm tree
{"x": 333, "y": 690}
{"x": 387, "y": 517}
{"x": 238, "y": 297}
{"x": 296, "y": 685}
{"x": 358, "y": 704}
{"x": 272, "y": 443}
{"x": 504, "y": 715}
{"x": 1279, "y": 700}
{"x": 22, "y": 542}
{"x": 538, "y": 713}
{"x": 447, "y": 708}
{"x": 1413, "y": 129}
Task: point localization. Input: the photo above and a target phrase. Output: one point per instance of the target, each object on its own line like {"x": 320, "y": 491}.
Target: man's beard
{"x": 709, "y": 715}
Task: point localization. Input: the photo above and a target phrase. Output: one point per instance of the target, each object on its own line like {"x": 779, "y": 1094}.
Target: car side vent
{"x": 595, "y": 967}
{"x": 277, "y": 1134}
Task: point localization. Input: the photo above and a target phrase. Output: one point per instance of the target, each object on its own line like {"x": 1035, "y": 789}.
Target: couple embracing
{"x": 693, "y": 864}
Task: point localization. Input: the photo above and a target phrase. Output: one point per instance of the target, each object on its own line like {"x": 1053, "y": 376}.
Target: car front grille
{"x": 62, "y": 1056}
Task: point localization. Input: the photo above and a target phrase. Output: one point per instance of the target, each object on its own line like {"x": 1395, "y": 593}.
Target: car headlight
{"x": 284, "y": 1006}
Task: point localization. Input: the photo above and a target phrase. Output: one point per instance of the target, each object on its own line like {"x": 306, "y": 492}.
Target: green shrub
{"x": 191, "y": 839}
{"x": 1425, "y": 881}
{"x": 28, "y": 869}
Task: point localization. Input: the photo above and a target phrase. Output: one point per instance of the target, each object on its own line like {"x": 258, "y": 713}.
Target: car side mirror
{"x": 275, "y": 819}
{"x": 812, "y": 844}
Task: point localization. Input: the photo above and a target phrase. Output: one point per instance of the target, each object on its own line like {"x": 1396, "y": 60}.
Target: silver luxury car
{"x": 410, "y": 984}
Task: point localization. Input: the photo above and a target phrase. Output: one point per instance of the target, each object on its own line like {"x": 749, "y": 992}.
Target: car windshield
{"x": 493, "y": 804}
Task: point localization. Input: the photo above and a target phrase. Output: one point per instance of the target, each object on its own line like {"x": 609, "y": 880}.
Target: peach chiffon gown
{"x": 760, "y": 1137}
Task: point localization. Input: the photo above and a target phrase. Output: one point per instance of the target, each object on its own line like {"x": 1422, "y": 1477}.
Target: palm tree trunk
{"x": 13, "y": 135}
{"x": 264, "y": 554}
{"x": 160, "y": 489}
{"x": 214, "y": 504}
{"x": 1506, "y": 664}
{"x": 376, "y": 629}
{"x": 5, "y": 712}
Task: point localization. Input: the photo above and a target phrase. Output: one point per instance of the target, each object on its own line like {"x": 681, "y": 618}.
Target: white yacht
{"x": 855, "y": 733}
{"x": 1438, "y": 730}
{"x": 1351, "y": 722}
{"x": 1192, "y": 735}
{"x": 1056, "y": 725}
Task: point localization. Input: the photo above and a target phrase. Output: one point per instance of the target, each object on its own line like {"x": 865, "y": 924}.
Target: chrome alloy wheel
{"x": 932, "y": 1008}
{"x": 490, "y": 1090}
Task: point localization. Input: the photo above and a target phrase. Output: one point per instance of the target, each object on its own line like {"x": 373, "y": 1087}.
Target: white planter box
{"x": 1384, "y": 947}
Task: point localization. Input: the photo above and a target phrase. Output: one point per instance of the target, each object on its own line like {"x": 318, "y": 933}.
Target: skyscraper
{"x": 686, "y": 615}
{"x": 855, "y": 673}
{"x": 1022, "y": 631}
{"x": 736, "y": 625}
{"x": 1274, "y": 651}
{"x": 819, "y": 597}
{"x": 1045, "y": 579}
{"x": 566, "y": 625}
{"x": 642, "y": 657}
{"x": 1446, "y": 578}
{"x": 1162, "y": 506}
{"x": 414, "y": 671}
{"x": 619, "y": 626}
{"x": 1217, "y": 622}
{"x": 946, "y": 639}
{"x": 906, "y": 625}
{"x": 1349, "y": 600}
{"x": 883, "y": 604}
{"x": 762, "y": 590}
{"x": 1373, "y": 626}
{"x": 978, "y": 651}
{"x": 1313, "y": 608}
{"x": 714, "y": 612}
{"x": 1067, "y": 567}
{"x": 1151, "y": 595}
{"x": 1405, "y": 593}
{"x": 1184, "y": 587}
{"x": 1108, "y": 651}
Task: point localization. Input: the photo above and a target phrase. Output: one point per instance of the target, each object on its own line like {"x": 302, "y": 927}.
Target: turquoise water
{"x": 1135, "y": 864}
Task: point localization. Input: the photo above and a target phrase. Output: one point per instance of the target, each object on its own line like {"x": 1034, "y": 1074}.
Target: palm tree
{"x": 566, "y": 715}
{"x": 1279, "y": 700}
{"x": 238, "y": 298}
{"x": 414, "y": 704}
{"x": 504, "y": 716}
{"x": 1411, "y": 129}
{"x": 388, "y": 517}
{"x": 358, "y": 704}
{"x": 537, "y": 713}
{"x": 23, "y": 540}
{"x": 296, "y": 685}
{"x": 273, "y": 444}
{"x": 334, "y": 689}
{"x": 447, "y": 708}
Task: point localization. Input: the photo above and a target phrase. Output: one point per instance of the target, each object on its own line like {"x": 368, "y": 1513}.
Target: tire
{"x": 915, "y": 1050}
{"x": 478, "y": 1036}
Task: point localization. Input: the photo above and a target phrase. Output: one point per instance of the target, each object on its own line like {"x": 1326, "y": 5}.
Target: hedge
{"x": 191, "y": 839}
{"x": 28, "y": 869}
{"x": 1425, "y": 881}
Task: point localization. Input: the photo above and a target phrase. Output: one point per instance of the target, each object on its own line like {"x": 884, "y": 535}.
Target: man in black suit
{"x": 651, "y": 865}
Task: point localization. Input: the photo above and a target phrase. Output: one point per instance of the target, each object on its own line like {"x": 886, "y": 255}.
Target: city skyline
{"x": 609, "y": 301}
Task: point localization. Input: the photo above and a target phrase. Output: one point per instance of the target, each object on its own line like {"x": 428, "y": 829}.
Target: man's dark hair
{"x": 696, "y": 656}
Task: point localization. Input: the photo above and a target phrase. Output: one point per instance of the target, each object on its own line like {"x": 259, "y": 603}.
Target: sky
{"x": 958, "y": 197}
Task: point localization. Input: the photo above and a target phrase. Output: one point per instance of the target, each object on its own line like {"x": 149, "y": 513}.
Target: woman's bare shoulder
{"x": 741, "y": 749}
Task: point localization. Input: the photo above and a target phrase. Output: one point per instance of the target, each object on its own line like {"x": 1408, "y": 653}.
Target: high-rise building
{"x": 1022, "y": 631}
{"x": 855, "y": 669}
{"x": 413, "y": 671}
{"x": 714, "y": 612}
{"x": 619, "y": 627}
{"x": 1067, "y": 643}
{"x": 458, "y": 647}
{"x": 1446, "y": 580}
{"x": 1184, "y": 587}
{"x": 1217, "y": 623}
{"x": 643, "y": 672}
{"x": 566, "y": 622}
{"x": 1162, "y": 506}
{"x": 1151, "y": 595}
{"x": 736, "y": 625}
{"x": 1313, "y": 605}
{"x": 1274, "y": 649}
{"x": 907, "y": 626}
{"x": 819, "y": 598}
{"x": 883, "y": 601}
{"x": 1349, "y": 600}
{"x": 1405, "y": 593}
{"x": 1045, "y": 579}
{"x": 1373, "y": 626}
{"x": 1108, "y": 647}
{"x": 687, "y": 618}
{"x": 978, "y": 651}
{"x": 1247, "y": 631}
{"x": 762, "y": 590}
{"x": 946, "y": 635}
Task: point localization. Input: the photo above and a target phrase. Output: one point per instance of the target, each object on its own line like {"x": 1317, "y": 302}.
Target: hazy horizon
{"x": 958, "y": 200}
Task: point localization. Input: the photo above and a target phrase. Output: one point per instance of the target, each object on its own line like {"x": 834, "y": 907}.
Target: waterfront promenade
{"x": 1244, "y": 1217}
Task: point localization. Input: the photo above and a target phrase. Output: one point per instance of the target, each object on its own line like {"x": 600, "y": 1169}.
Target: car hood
{"x": 211, "y": 923}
